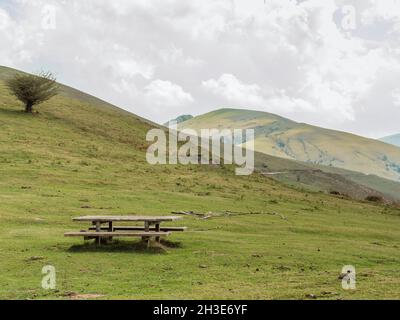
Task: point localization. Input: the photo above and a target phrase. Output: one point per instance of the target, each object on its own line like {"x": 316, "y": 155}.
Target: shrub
{"x": 374, "y": 198}
{"x": 33, "y": 89}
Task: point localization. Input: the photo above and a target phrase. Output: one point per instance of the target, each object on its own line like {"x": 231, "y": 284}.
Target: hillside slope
{"x": 284, "y": 138}
{"x": 394, "y": 140}
{"x": 331, "y": 180}
{"x": 81, "y": 156}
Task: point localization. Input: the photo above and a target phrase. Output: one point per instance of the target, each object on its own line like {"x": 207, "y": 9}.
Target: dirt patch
{"x": 34, "y": 258}
{"x": 82, "y": 296}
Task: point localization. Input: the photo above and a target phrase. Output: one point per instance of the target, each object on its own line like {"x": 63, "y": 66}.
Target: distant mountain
{"x": 394, "y": 140}
{"x": 284, "y": 138}
{"x": 180, "y": 119}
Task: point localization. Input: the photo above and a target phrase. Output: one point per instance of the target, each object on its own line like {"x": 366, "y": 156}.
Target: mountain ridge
{"x": 393, "y": 139}
{"x": 285, "y": 138}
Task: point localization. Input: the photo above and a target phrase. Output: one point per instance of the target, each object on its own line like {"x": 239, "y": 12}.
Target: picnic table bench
{"x": 151, "y": 228}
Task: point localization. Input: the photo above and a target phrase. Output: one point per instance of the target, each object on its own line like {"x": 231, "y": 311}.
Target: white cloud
{"x": 230, "y": 88}
{"x": 174, "y": 55}
{"x": 166, "y": 94}
{"x": 245, "y": 95}
{"x": 396, "y": 97}
{"x": 4, "y": 19}
{"x": 284, "y": 56}
{"x": 381, "y": 10}
{"x": 131, "y": 68}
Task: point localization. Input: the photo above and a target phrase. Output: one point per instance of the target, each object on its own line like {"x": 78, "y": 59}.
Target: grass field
{"x": 79, "y": 156}
{"x": 327, "y": 179}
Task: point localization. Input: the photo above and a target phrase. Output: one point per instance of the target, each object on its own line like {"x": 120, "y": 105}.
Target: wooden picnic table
{"x": 146, "y": 232}
{"x": 104, "y": 219}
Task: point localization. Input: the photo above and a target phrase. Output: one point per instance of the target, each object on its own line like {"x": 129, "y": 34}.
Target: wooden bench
{"x": 115, "y": 234}
{"x": 133, "y": 228}
{"x": 151, "y": 228}
{"x": 103, "y": 235}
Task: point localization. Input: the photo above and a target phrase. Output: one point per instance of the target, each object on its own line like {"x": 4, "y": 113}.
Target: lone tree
{"x": 33, "y": 89}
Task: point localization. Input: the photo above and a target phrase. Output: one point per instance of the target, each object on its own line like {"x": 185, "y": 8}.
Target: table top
{"x": 127, "y": 218}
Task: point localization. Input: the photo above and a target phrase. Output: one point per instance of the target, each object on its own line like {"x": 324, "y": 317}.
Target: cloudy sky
{"x": 330, "y": 63}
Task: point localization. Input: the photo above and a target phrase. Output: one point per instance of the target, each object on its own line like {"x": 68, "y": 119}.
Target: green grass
{"x": 79, "y": 156}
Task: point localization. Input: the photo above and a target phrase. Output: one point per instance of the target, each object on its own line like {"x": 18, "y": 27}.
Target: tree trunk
{"x": 28, "y": 107}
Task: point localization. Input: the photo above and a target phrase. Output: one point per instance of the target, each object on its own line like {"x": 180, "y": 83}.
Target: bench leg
{"x": 146, "y": 229}
{"x": 98, "y": 229}
{"x": 158, "y": 230}
{"x": 110, "y": 229}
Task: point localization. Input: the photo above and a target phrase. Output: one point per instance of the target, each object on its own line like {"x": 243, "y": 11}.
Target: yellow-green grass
{"x": 284, "y": 138}
{"x": 79, "y": 157}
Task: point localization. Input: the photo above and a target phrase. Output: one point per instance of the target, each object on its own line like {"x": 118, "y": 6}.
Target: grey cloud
{"x": 154, "y": 57}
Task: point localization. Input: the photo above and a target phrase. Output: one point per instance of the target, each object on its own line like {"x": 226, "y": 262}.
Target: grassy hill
{"x": 179, "y": 119}
{"x": 284, "y": 138}
{"x": 330, "y": 180}
{"x": 80, "y": 156}
{"x": 394, "y": 140}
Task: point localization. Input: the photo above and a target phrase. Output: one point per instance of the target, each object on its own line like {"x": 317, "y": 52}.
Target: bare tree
{"x": 33, "y": 89}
